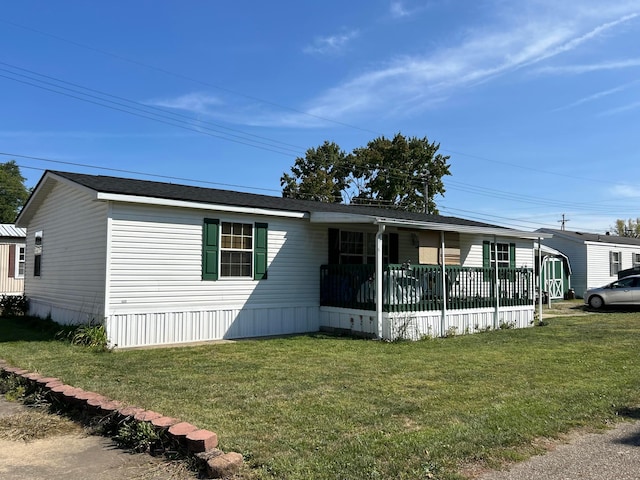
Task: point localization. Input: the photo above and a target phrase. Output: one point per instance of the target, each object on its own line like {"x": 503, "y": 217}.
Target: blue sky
{"x": 537, "y": 101}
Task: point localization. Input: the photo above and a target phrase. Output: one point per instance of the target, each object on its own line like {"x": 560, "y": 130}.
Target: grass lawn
{"x": 323, "y": 407}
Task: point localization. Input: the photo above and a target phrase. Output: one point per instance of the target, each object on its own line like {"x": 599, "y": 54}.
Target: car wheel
{"x": 596, "y": 302}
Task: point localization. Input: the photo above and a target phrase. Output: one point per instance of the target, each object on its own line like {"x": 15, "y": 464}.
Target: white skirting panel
{"x": 417, "y": 325}
{"x": 63, "y": 316}
{"x": 142, "y": 329}
{"x": 344, "y": 319}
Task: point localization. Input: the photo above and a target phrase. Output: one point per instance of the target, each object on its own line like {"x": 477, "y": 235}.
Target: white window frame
{"x": 20, "y": 260}
{"x": 635, "y": 259}
{"x": 503, "y": 255}
{"x": 367, "y": 255}
{"x": 615, "y": 262}
{"x": 37, "y": 254}
{"x": 236, "y": 249}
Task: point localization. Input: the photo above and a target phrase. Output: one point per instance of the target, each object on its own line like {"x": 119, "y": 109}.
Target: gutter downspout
{"x": 379, "y": 273}
{"x": 444, "y": 287}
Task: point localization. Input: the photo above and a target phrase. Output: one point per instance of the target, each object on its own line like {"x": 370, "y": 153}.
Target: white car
{"x": 625, "y": 291}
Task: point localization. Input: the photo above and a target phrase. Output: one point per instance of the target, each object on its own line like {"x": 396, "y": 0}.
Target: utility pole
{"x": 425, "y": 178}
{"x": 563, "y": 221}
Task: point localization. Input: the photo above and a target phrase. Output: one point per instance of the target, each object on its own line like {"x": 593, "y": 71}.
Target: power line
{"x": 185, "y": 77}
{"x": 131, "y": 172}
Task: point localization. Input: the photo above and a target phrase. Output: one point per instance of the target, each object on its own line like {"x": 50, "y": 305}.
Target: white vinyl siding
{"x": 72, "y": 281}
{"x": 471, "y": 250}
{"x": 156, "y": 256}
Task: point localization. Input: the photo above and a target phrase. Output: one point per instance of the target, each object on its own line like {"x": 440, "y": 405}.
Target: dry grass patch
{"x": 35, "y": 424}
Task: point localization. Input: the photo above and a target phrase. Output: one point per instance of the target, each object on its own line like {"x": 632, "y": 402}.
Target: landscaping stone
{"x": 164, "y": 422}
{"x": 224, "y": 465}
{"x": 201, "y": 440}
{"x": 146, "y": 416}
{"x": 180, "y": 430}
{"x": 130, "y": 411}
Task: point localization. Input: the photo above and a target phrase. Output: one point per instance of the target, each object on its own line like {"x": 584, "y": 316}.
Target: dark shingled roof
{"x": 171, "y": 191}
{"x": 592, "y": 237}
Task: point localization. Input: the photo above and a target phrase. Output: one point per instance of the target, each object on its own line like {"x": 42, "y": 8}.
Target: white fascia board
{"x": 611, "y": 244}
{"x": 330, "y": 217}
{"x": 164, "y": 202}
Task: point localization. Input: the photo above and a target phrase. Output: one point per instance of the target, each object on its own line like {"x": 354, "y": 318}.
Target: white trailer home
{"x": 161, "y": 263}
{"x": 595, "y": 258}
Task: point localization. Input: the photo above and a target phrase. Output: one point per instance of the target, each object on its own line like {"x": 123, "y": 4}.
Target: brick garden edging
{"x": 198, "y": 442}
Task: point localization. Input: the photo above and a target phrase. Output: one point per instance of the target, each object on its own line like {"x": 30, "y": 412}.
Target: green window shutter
{"x": 260, "y": 251}
{"x": 512, "y": 255}
{"x": 486, "y": 254}
{"x": 210, "y": 249}
{"x": 333, "y": 256}
{"x": 394, "y": 248}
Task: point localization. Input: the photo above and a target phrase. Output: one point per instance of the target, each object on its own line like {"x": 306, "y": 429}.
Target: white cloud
{"x": 332, "y": 44}
{"x": 513, "y": 42}
{"x": 588, "y": 68}
{"x": 398, "y": 10}
{"x": 597, "y": 96}
{"x": 626, "y": 191}
{"x": 197, "y": 102}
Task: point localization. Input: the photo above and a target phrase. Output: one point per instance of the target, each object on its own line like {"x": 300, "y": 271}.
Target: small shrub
{"x": 138, "y": 436}
{"x": 14, "y": 305}
{"x": 90, "y": 335}
{"x": 507, "y": 325}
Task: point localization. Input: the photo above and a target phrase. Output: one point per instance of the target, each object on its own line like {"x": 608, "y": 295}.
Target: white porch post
{"x": 443, "y": 327}
{"x": 539, "y": 279}
{"x": 379, "y": 273}
{"x": 496, "y": 314}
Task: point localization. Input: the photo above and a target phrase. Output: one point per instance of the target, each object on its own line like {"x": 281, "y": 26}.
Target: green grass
{"x": 337, "y": 408}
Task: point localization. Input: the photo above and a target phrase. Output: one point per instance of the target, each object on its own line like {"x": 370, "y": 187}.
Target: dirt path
{"x": 73, "y": 454}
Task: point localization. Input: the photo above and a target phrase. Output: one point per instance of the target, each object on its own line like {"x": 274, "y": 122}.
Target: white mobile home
{"x": 161, "y": 263}
{"x": 12, "y": 259}
{"x": 595, "y": 259}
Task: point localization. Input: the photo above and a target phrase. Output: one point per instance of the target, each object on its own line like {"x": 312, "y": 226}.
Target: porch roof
{"x": 429, "y": 222}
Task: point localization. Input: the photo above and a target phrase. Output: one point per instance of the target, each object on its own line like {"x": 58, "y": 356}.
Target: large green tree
{"x": 322, "y": 175}
{"x": 13, "y": 193}
{"x": 396, "y": 171}
{"x": 390, "y": 172}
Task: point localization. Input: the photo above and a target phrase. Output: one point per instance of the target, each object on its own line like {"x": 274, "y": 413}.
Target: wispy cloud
{"x": 626, "y": 191}
{"x": 597, "y": 96}
{"x": 398, "y": 10}
{"x": 622, "y": 109}
{"x": 332, "y": 44}
{"x": 588, "y": 68}
{"x": 514, "y": 40}
{"x": 197, "y": 102}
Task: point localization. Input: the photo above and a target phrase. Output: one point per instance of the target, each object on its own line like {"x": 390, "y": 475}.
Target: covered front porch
{"x": 425, "y": 300}
{"x": 457, "y": 277}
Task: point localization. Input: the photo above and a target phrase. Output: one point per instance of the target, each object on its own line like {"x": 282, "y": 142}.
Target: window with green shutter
{"x": 210, "y": 251}
{"x": 260, "y": 251}
{"x": 233, "y": 249}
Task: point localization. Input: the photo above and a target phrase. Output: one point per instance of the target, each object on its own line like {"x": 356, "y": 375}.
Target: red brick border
{"x": 198, "y": 441}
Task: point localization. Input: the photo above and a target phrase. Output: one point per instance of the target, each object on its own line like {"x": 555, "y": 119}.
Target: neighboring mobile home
{"x": 595, "y": 258}
{"x": 161, "y": 263}
{"x": 12, "y": 259}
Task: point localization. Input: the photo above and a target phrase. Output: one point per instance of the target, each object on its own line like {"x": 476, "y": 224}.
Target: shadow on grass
{"x": 630, "y": 413}
{"x": 29, "y": 329}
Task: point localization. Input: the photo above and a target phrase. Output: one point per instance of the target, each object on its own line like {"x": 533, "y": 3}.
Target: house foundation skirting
{"x": 166, "y": 328}
{"x": 417, "y": 325}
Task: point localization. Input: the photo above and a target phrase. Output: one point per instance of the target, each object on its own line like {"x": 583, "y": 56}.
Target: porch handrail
{"x": 412, "y": 288}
